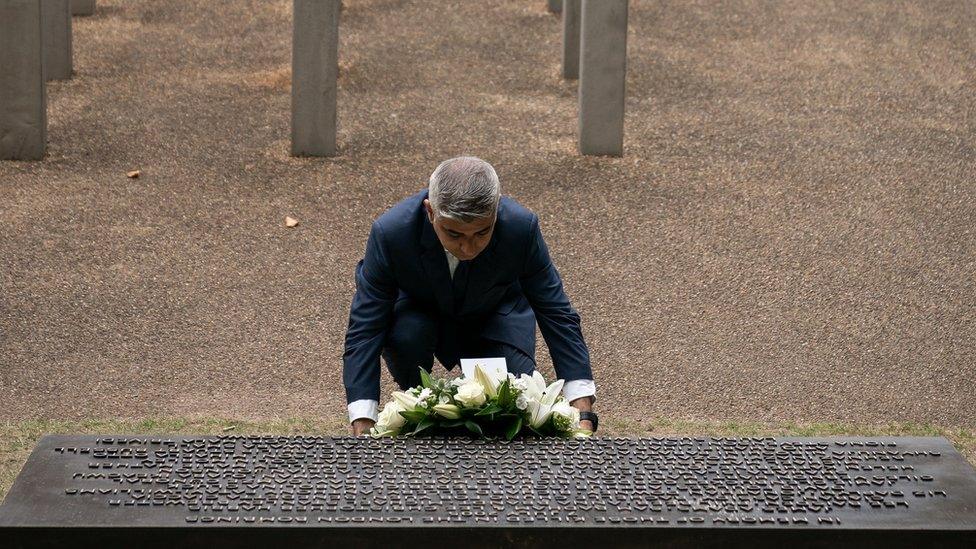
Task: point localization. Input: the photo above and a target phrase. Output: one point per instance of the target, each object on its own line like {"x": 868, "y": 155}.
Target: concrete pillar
{"x": 603, "y": 72}
{"x": 82, "y": 7}
{"x": 555, "y": 6}
{"x": 314, "y": 70}
{"x": 571, "y": 39}
{"x": 56, "y": 20}
{"x": 23, "y": 104}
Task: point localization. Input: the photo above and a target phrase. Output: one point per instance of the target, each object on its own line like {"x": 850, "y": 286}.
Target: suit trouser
{"x": 417, "y": 335}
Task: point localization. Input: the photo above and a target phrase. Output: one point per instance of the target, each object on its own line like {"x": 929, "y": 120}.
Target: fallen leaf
{"x": 134, "y": 174}
{"x": 290, "y": 221}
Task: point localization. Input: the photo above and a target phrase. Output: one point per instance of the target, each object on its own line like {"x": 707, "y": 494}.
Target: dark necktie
{"x": 460, "y": 284}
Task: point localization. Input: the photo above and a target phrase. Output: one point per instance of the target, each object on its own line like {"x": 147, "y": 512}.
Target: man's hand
{"x": 361, "y": 426}
{"x": 584, "y": 404}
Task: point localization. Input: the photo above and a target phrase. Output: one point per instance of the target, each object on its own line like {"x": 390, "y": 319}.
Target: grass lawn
{"x": 17, "y": 438}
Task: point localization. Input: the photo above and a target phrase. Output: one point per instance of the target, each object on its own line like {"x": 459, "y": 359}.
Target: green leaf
{"x": 453, "y": 423}
{"x": 513, "y": 429}
{"x": 473, "y": 427}
{"x": 488, "y": 410}
{"x": 414, "y": 416}
{"x": 502, "y": 393}
{"x": 425, "y": 380}
{"x": 425, "y": 424}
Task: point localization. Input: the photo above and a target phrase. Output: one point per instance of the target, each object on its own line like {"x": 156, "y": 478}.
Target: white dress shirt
{"x": 452, "y": 262}
{"x": 572, "y": 390}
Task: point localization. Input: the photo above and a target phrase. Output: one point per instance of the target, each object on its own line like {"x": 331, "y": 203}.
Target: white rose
{"x": 390, "y": 418}
{"x": 566, "y": 414}
{"x": 471, "y": 394}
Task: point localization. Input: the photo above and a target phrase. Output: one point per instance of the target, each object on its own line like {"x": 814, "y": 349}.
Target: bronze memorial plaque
{"x": 311, "y": 490}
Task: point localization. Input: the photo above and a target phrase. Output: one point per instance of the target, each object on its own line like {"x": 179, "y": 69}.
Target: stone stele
{"x": 215, "y": 491}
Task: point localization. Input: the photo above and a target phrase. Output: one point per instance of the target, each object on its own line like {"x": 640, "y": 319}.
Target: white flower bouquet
{"x": 482, "y": 405}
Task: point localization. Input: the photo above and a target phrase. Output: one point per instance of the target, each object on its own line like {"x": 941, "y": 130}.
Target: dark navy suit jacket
{"x": 498, "y": 295}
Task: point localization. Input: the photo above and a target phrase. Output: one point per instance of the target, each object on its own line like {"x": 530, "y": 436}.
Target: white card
{"x": 496, "y": 367}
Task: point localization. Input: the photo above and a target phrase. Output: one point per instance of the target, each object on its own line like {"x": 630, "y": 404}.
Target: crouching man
{"x": 458, "y": 271}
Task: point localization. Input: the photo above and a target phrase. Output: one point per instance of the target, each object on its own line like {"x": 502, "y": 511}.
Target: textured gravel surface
{"x": 791, "y": 234}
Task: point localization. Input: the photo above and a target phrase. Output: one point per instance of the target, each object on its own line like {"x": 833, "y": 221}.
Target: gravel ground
{"x": 789, "y": 236}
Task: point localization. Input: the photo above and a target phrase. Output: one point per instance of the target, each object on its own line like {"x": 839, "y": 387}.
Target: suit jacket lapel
{"x": 435, "y": 265}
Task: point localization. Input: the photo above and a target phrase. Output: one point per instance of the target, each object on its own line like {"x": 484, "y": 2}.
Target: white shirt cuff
{"x": 579, "y": 388}
{"x": 363, "y": 408}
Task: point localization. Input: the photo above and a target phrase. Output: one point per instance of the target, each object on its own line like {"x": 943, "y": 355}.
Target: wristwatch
{"x": 590, "y": 416}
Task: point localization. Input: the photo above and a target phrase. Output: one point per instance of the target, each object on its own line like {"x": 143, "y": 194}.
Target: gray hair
{"x": 464, "y": 188}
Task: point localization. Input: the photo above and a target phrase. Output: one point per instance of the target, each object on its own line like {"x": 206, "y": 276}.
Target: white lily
{"x": 539, "y": 413}
{"x": 449, "y": 411}
{"x": 534, "y": 385}
{"x": 540, "y": 398}
{"x": 551, "y": 393}
{"x": 536, "y": 389}
{"x": 486, "y": 380}
{"x": 406, "y": 400}
{"x": 530, "y": 390}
